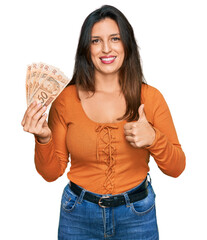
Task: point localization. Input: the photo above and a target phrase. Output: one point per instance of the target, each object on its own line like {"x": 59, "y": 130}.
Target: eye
{"x": 115, "y": 39}
{"x": 95, "y": 41}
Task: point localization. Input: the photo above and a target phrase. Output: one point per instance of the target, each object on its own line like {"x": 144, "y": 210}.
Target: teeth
{"x": 108, "y": 59}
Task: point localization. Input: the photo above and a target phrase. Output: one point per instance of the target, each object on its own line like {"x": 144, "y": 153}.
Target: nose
{"x": 106, "y": 48}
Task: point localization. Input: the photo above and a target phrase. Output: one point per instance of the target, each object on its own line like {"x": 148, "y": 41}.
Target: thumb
{"x": 141, "y": 112}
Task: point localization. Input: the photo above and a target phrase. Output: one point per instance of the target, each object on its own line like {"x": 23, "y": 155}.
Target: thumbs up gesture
{"x": 140, "y": 133}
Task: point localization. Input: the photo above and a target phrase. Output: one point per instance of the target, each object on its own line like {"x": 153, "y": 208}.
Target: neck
{"x": 107, "y": 83}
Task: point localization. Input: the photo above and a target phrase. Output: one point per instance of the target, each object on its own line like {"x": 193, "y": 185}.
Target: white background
{"x": 172, "y": 40}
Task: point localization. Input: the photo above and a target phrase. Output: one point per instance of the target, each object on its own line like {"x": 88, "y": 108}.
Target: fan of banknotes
{"x": 44, "y": 83}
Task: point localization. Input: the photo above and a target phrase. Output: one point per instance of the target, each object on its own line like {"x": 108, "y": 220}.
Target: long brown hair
{"x": 131, "y": 75}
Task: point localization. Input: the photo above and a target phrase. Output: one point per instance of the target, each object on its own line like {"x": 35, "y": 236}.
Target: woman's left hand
{"x": 140, "y": 133}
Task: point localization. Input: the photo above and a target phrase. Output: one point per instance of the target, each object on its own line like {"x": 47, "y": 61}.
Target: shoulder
{"x": 154, "y": 102}
{"x": 68, "y": 94}
{"x": 66, "y": 98}
{"x": 149, "y": 92}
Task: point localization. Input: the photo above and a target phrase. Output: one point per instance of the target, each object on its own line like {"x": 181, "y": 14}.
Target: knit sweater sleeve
{"x": 166, "y": 149}
{"x": 51, "y": 159}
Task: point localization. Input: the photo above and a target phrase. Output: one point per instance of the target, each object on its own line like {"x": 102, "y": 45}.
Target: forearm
{"x": 48, "y": 163}
{"x": 169, "y": 157}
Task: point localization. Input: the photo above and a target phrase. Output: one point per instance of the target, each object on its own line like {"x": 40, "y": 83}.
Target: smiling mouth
{"x": 107, "y": 60}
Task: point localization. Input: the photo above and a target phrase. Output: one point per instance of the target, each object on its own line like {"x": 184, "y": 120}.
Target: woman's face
{"x": 107, "y": 51}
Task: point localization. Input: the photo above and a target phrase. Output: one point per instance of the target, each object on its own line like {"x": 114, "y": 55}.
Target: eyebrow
{"x": 111, "y": 35}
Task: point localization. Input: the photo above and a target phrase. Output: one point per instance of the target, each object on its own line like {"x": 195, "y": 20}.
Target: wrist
{"x": 43, "y": 140}
{"x": 152, "y": 138}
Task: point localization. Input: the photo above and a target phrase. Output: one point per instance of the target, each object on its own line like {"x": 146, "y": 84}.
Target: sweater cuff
{"x": 43, "y": 151}
{"x": 43, "y": 144}
{"x": 157, "y": 135}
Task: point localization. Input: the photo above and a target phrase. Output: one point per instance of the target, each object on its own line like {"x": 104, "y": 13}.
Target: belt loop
{"x": 127, "y": 199}
{"x": 149, "y": 178}
{"x": 80, "y": 199}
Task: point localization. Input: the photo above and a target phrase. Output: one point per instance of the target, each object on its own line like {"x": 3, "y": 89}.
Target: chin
{"x": 109, "y": 70}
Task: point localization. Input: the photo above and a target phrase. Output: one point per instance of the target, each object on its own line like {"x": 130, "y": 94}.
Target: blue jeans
{"x": 81, "y": 219}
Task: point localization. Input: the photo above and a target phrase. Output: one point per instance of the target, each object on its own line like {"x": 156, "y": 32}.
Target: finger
{"x": 36, "y": 117}
{"x": 136, "y": 144}
{"x": 128, "y": 126}
{"x": 132, "y": 131}
{"x": 129, "y": 132}
{"x": 29, "y": 116}
{"x": 141, "y": 109}
{"x": 39, "y": 126}
{"x": 130, "y": 139}
{"x": 33, "y": 104}
{"x": 133, "y": 144}
{"x": 141, "y": 112}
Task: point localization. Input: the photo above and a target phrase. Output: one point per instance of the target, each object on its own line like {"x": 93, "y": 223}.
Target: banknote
{"x": 28, "y": 82}
{"x": 44, "y": 83}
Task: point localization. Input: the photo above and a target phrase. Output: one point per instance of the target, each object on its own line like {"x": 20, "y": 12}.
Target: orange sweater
{"x": 102, "y": 161}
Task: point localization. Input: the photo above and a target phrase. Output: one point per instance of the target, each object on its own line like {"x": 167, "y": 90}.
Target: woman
{"x": 110, "y": 122}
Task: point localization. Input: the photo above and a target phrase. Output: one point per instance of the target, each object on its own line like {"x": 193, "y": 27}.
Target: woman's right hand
{"x": 34, "y": 121}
